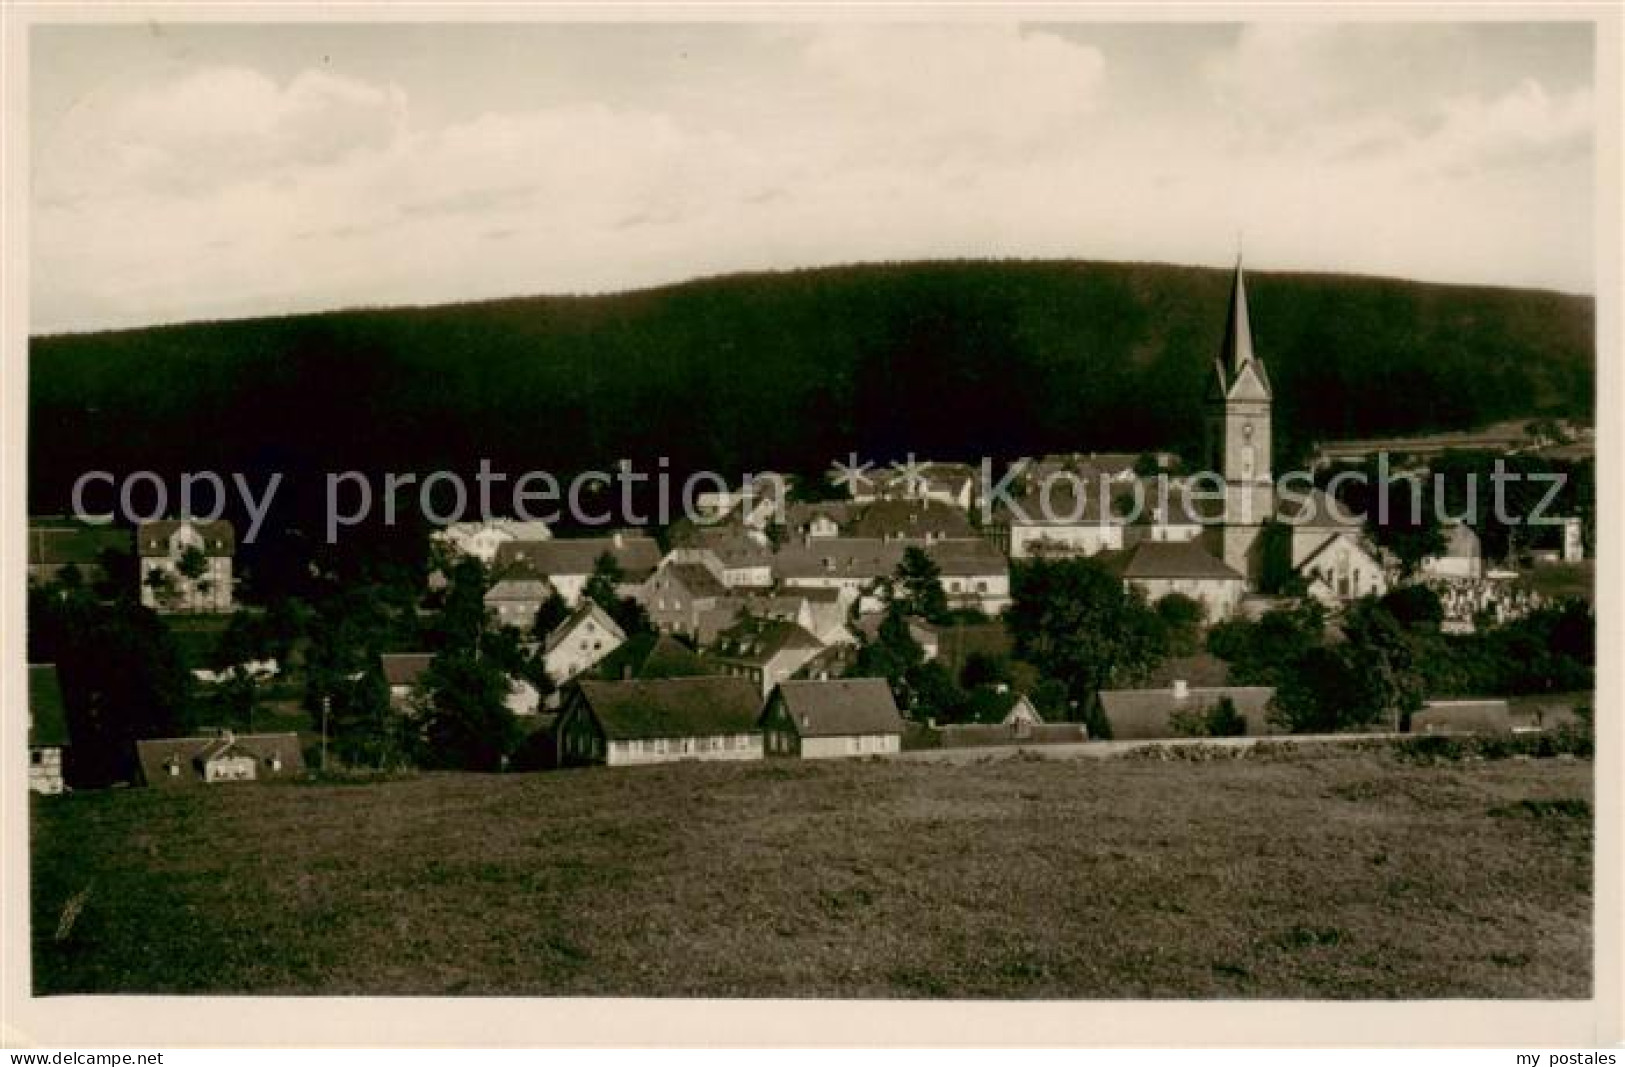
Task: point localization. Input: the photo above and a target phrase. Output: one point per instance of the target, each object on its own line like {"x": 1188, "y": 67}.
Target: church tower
{"x": 1238, "y": 437}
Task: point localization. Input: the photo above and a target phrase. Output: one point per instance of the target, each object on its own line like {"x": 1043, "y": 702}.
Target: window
{"x": 36, "y": 756}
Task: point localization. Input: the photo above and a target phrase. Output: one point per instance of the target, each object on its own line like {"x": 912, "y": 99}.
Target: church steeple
{"x": 1236, "y": 352}
{"x": 1238, "y": 434}
{"x": 1238, "y": 331}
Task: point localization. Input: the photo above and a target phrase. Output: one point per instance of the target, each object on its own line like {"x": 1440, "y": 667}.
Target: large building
{"x": 1237, "y": 436}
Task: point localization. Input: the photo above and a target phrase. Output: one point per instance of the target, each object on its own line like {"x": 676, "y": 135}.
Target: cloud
{"x": 213, "y": 127}
{"x": 1523, "y": 125}
{"x": 226, "y": 191}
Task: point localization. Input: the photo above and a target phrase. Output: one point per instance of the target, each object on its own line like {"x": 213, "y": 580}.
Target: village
{"x": 883, "y": 620}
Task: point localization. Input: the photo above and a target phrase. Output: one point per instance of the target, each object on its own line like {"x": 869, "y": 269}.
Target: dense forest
{"x": 791, "y": 370}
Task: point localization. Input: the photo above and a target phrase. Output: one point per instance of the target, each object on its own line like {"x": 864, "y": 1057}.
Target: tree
{"x": 1078, "y": 624}
{"x": 1182, "y": 621}
{"x": 462, "y": 705}
{"x": 919, "y": 581}
{"x": 1370, "y": 677}
{"x": 364, "y": 727}
{"x": 193, "y": 564}
{"x": 603, "y": 584}
{"x": 122, "y": 677}
{"x": 1220, "y": 720}
{"x": 550, "y": 615}
{"x": 935, "y": 693}
{"x": 1416, "y": 607}
{"x": 1263, "y": 652}
{"x": 983, "y": 669}
{"x": 892, "y": 655}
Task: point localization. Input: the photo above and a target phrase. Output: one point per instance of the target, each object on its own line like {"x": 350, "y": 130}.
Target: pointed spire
{"x": 1238, "y": 331}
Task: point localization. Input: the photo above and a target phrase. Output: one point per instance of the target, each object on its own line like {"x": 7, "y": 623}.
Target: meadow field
{"x": 1313, "y": 873}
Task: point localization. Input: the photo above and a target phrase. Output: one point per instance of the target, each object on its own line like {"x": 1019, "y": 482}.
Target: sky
{"x": 183, "y": 172}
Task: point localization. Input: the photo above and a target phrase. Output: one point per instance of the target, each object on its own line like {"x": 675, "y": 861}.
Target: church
{"x": 1272, "y": 538}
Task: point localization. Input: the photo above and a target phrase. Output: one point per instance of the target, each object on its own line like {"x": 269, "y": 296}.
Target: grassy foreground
{"x": 1346, "y": 874}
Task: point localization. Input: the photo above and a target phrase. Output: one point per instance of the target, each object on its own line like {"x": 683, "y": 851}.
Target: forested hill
{"x": 790, "y": 370}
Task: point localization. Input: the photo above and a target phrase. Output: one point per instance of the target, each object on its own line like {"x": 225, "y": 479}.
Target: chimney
{"x": 618, "y": 538}
{"x": 1181, "y": 690}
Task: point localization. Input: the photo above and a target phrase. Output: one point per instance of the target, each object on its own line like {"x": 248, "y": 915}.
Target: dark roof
{"x": 47, "y": 714}
{"x": 1148, "y": 713}
{"x": 843, "y": 557}
{"x": 638, "y": 556}
{"x": 152, "y": 538}
{"x": 189, "y": 753}
{"x": 697, "y": 579}
{"x": 801, "y": 514}
{"x": 841, "y": 708}
{"x": 404, "y": 668}
{"x": 1174, "y": 559}
{"x": 1053, "y": 498}
{"x": 970, "y": 556}
{"x": 63, "y": 542}
{"x": 756, "y": 640}
{"x": 649, "y": 656}
{"x": 732, "y": 546}
{"x": 673, "y": 707}
{"x": 912, "y": 519}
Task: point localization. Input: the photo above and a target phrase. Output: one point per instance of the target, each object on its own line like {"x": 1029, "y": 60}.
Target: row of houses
{"x": 654, "y": 718}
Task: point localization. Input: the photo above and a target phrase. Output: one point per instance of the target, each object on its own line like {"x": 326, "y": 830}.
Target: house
{"x": 1462, "y": 559}
{"x": 401, "y": 673}
{"x": 681, "y": 590}
{"x": 1061, "y": 515}
{"x": 742, "y": 558}
{"x": 482, "y": 539}
{"x": 47, "y": 729}
{"x": 1177, "y": 711}
{"x": 825, "y": 613}
{"x": 568, "y": 562}
{"x": 849, "y": 565}
{"x": 581, "y": 642}
{"x": 517, "y": 593}
{"x": 757, "y": 504}
{"x": 912, "y": 520}
{"x": 953, "y": 484}
{"x": 1328, "y": 549}
{"x": 1343, "y": 568}
{"x": 1462, "y": 717}
{"x": 225, "y": 757}
{"x": 831, "y": 719}
{"x": 822, "y": 519}
{"x": 57, "y": 545}
{"x": 1158, "y": 568}
{"x": 186, "y": 565}
{"x": 765, "y": 651}
{"x": 662, "y": 720}
{"x": 974, "y": 574}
